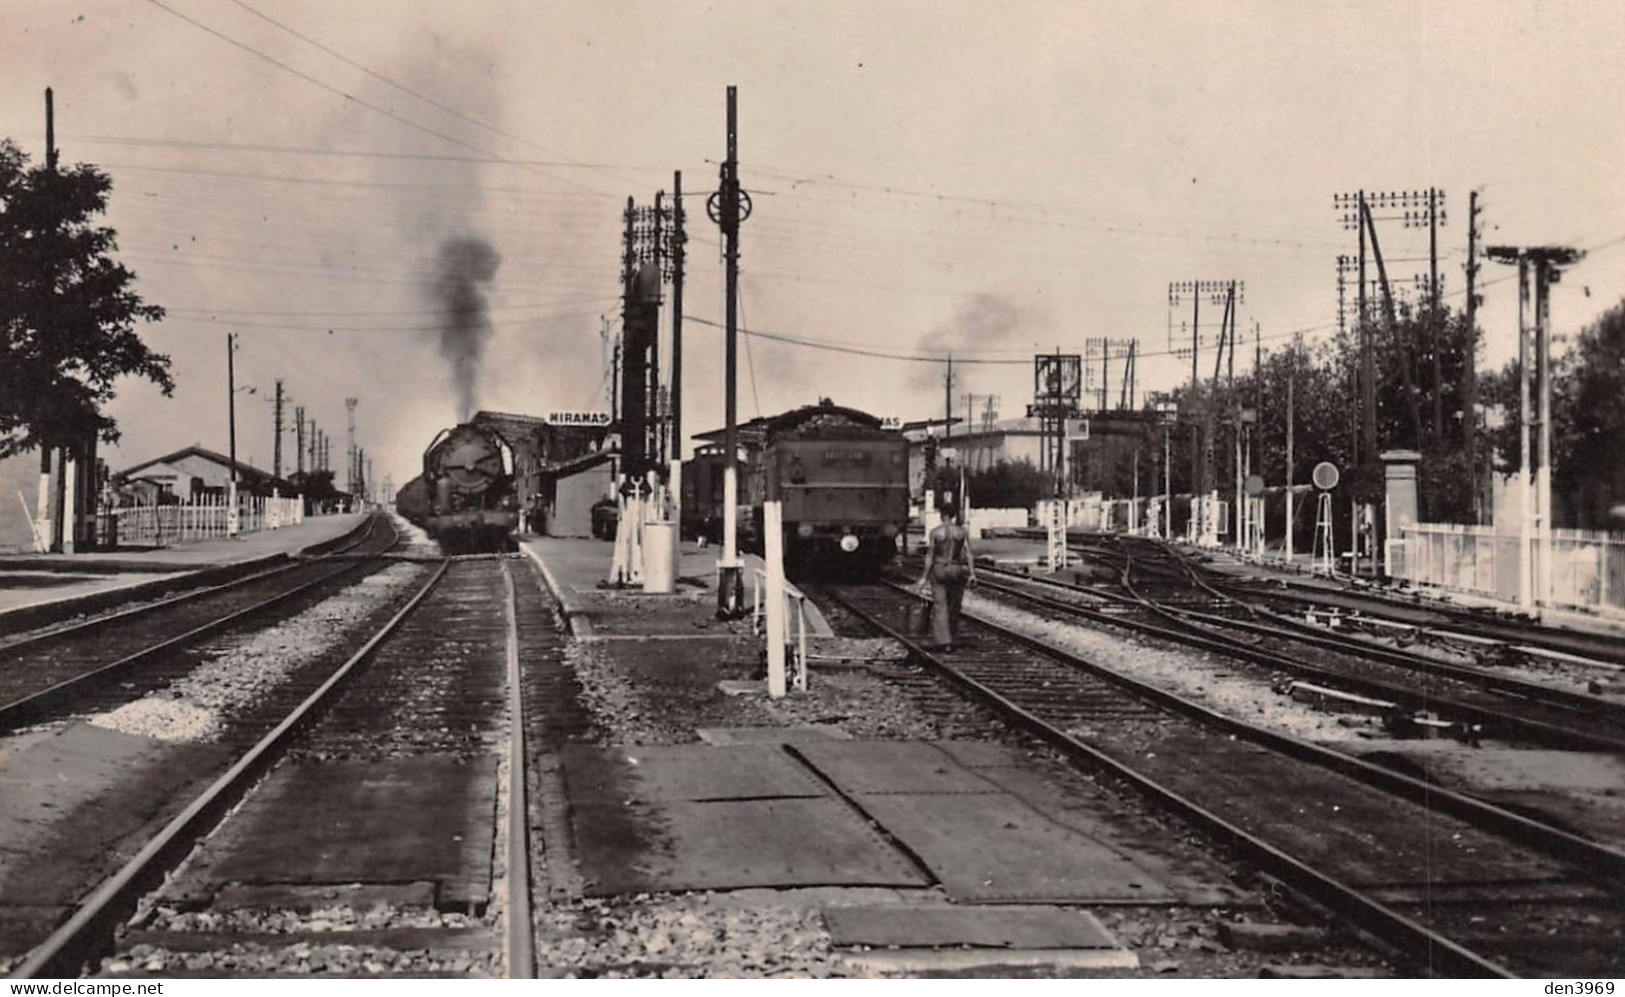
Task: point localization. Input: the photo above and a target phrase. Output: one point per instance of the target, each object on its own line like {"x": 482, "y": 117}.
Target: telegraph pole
{"x": 1291, "y": 385}
{"x": 1405, "y": 353}
{"x": 1198, "y": 508}
{"x": 1470, "y": 361}
{"x": 728, "y": 207}
{"x": 657, "y": 449}
{"x": 231, "y": 432}
{"x": 1435, "y": 325}
{"x": 1230, "y": 293}
{"x": 1535, "y": 566}
{"x": 679, "y": 235}
{"x": 948, "y": 399}
{"x": 276, "y": 422}
{"x": 1368, "y": 370}
{"x": 350, "y": 471}
{"x": 299, "y": 440}
{"x": 1415, "y": 208}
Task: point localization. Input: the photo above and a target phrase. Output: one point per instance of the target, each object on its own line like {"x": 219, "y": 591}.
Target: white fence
{"x": 1587, "y": 568}
{"x": 1087, "y": 512}
{"x": 201, "y": 518}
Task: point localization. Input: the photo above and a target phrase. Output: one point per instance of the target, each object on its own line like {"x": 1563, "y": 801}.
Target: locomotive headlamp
{"x": 804, "y": 530}
{"x": 849, "y": 543}
{"x": 890, "y": 529}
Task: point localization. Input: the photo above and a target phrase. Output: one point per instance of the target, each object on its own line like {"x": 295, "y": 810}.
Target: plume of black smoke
{"x": 464, "y": 270}
{"x": 983, "y": 322}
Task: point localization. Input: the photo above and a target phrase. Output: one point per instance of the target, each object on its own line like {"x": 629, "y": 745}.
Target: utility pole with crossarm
{"x": 1535, "y": 520}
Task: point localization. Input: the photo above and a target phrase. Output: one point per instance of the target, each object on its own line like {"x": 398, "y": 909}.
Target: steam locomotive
{"x": 465, "y": 498}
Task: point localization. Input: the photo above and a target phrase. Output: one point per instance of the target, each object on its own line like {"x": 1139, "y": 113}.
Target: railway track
{"x": 1459, "y": 887}
{"x": 120, "y": 656}
{"x": 385, "y": 806}
{"x": 1483, "y": 632}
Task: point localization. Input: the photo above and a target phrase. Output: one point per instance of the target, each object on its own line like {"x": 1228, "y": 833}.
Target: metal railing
{"x": 758, "y": 620}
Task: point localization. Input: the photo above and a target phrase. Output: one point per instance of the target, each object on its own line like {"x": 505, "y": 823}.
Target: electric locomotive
{"x": 843, "y": 483}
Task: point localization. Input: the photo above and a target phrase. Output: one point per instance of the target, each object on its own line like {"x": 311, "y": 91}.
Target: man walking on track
{"x": 948, "y": 569}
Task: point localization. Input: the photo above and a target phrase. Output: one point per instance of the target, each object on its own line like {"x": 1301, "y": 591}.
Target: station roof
{"x": 245, "y": 472}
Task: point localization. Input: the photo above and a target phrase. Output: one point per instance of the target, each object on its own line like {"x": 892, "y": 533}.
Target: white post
{"x": 773, "y": 513}
{"x": 730, "y": 574}
{"x": 232, "y": 524}
{"x": 70, "y": 496}
{"x": 42, "y": 509}
{"x": 677, "y": 497}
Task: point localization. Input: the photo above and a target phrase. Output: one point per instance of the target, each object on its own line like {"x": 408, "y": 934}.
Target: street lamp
{"x": 232, "y": 523}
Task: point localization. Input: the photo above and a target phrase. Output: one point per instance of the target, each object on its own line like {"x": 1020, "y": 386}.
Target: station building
{"x": 562, "y": 465}
{"x": 191, "y": 472}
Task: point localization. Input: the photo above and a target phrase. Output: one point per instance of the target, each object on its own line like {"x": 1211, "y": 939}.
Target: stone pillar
{"x": 1399, "y": 476}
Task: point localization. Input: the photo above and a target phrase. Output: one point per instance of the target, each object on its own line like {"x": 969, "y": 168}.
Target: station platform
{"x": 921, "y": 848}
{"x": 37, "y": 589}
{"x": 574, "y": 569}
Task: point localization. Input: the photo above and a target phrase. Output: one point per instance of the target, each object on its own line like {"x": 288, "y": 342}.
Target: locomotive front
{"x": 472, "y": 505}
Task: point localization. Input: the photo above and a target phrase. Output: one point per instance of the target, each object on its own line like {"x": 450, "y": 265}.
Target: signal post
{"x": 727, "y": 208}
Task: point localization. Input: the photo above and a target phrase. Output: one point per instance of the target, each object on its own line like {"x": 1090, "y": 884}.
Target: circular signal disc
{"x": 1324, "y": 475}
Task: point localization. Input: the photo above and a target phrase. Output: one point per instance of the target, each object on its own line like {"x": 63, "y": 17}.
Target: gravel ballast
{"x": 241, "y": 669}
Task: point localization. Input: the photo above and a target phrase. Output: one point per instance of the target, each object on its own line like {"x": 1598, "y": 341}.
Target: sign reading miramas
{"x": 578, "y": 418}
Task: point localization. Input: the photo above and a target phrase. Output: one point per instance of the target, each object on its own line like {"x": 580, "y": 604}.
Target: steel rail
{"x": 1429, "y": 947}
{"x": 1350, "y": 643}
{"x": 1555, "y": 841}
{"x": 92, "y": 925}
{"x": 106, "y": 619}
{"x": 1531, "y": 634}
{"x": 23, "y": 710}
{"x": 1195, "y": 636}
{"x": 1546, "y": 732}
{"x": 520, "y": 934}
{"x": 1302, "y": 633}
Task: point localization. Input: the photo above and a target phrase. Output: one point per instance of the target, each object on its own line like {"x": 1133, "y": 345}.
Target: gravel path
{"x": 326, "y": 944}
{"x": 687, "y": 936}
{"x": 852, "y": 701}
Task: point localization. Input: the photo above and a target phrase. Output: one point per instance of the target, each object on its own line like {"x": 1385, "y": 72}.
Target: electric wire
{"x": 376, "y": 108}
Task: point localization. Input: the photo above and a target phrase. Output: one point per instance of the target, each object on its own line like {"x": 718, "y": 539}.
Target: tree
{"x": 1589, "y": 464}
{"x": 1003, "y": 485}
{"x": 67, "y": 309}
{"x": 1588, "y": 422}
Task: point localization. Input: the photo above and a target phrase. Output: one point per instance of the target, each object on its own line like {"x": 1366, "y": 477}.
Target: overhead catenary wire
{"x": 287, "y": 326}
{"x": 230, "y": 312}
{"x": 958, "y": 356}
{"x": 961, "y": 356}
{"x": 375, "y": 108}
{"x": 750, "y": 360}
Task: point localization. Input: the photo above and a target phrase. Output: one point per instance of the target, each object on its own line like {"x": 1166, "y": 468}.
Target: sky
{"x": 990, "y": 180}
